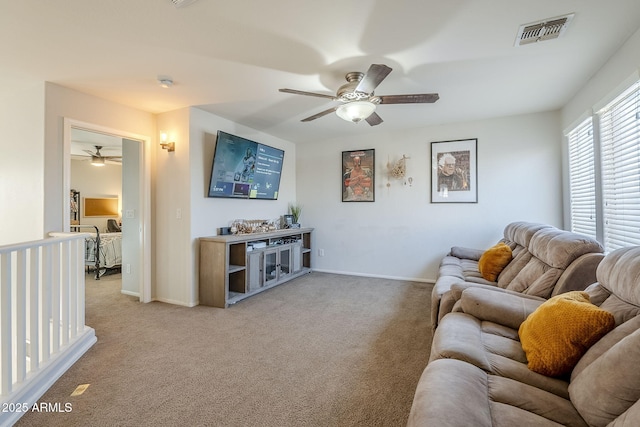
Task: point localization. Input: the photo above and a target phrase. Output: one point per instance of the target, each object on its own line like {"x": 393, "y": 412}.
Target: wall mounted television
{"x": 245, "y": 169}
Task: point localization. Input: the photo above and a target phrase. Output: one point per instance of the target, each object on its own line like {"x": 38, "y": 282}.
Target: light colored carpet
{"x": 322, "y": 350}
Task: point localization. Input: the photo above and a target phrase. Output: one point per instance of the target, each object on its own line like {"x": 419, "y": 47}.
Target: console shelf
{"x": 235, "y": 267}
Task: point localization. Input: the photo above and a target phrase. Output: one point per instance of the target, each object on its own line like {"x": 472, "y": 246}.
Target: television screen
{"x": 245, "y": 169}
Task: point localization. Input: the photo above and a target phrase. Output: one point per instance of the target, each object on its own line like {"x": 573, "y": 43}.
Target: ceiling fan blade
{"x": 91, "y": 153}
{"x": 374, "y": 119}
{"x": 375, "y": 75}
{"x": 300, "y": 92}
{"x": 320, "y": 114}
{"x": 423, "y": 98}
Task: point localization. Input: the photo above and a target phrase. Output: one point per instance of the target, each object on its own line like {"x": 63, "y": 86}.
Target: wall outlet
{"x": 320, "y": 252}
{"x": 178, "y": 213}
{"x": 128, "y": 268}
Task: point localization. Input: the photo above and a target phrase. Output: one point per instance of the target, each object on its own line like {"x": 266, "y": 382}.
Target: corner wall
{"x": 21, "y": 163}
{"x": 402, "y": 234}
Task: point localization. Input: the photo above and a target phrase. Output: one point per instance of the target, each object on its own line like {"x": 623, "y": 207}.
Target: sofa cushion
{"x": 558, "y": 248}
{"x": 455, "y": 393}
{"x": 619, "y": 272}
{"x": 612, "y": 380}
{"x": 494, "y": 260}
{"x": 491, "y": 347}
{"x": 535, "y": 278}
{"x": 466, "y": 253}
{"x": 557, "y": 334}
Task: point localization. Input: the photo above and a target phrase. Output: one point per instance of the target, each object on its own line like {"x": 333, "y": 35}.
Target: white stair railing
{"x": 42, "y": 315}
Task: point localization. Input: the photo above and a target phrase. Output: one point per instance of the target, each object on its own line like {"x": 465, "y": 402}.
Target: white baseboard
{"x": 28, "y": 393}
{"x": 378, "y": 276}
{"x": 176, "y": 302}
{"x": 132, "y": 294}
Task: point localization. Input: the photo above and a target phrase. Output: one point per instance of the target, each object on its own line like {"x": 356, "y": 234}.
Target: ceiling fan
{"x": 358, "y": 100}
{"x": 97, "y": 159}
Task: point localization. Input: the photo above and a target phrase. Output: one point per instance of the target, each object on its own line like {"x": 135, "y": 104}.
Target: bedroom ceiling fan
{"x": 97, "y": 159}
{"x": 358, "y": 99}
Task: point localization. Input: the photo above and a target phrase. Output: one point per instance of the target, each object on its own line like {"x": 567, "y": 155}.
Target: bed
{"x": 103, "y": 251}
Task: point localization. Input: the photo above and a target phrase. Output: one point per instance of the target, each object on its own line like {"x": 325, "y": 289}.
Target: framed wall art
{"x": 454, "y": 171}
{"x": 358, "y": 176}
{"x": 101, "y": 206}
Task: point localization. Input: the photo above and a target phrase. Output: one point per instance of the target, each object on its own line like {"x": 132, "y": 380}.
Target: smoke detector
{"x": 548, "y": 29}
{"x": 182, "y": 3}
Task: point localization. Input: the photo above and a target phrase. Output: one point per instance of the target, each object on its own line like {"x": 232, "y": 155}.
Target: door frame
{"x": 144, "y": 258}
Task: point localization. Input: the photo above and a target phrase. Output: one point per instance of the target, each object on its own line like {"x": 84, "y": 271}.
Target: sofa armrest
{"x": 466, "y": 253}
{"x": 458, "y": 288}
{"x": 504, "y": 308}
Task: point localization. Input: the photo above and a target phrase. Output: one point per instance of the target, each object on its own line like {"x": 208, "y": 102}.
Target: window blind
{"x": 620, "y": 151}
{"x": 582, "y": 183}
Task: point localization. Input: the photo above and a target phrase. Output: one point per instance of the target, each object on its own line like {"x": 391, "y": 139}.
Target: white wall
{"x": 93, "y": 181}
{"x": 174, "y": 280}
{"x": 182, "y": 181}
{"x": 402, "y": 234}
{"x": 21, "y": 163}
{"x": 606, "y": 83}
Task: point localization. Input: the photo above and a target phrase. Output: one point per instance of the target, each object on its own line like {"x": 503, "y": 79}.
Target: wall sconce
{"x": 169, "y": 146}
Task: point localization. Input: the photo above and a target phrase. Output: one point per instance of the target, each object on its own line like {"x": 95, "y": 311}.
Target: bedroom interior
{"x": 96, "y": 198}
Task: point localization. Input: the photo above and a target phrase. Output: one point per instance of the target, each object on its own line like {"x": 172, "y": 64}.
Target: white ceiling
{"x": 230, "y": 58}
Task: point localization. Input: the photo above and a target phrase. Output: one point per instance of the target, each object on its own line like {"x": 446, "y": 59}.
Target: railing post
{"x": 5, "y": 324}
{"x": 35, "y": 306}
{"x": 45, "y": 308}
{"x": 20, "y": 341}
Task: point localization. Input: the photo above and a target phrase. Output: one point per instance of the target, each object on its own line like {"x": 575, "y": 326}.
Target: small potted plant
{"x": 295, "y": 210}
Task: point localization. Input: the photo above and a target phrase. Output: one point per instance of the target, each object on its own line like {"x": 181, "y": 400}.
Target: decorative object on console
{"x": 295, "y": 210}
{"x": 358, "y": 176}
{"x": 244, "y": 226}
{"x": 454, "y": 171}
{"x": 287, "y": 221}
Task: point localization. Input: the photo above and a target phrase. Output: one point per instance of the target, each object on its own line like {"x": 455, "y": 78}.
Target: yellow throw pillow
{"x": 494, "y": 260}
{"x": 556, "y": 335}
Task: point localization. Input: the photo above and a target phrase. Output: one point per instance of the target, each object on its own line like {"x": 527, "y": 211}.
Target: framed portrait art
{"x": 358, "y": 176}
{"x": 454, "y": 171}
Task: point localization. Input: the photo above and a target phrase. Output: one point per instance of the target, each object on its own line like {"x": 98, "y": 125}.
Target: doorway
{"x": 134, "y": 202}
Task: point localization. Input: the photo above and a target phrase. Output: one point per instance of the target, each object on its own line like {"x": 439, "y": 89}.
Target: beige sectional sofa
{"x": 546, "y": 261}
{"x": 478, "y": 373}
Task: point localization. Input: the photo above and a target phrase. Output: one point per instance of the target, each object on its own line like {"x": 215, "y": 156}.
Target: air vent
{"x": 182, "y": 3}
{"x": 544, "y": 30}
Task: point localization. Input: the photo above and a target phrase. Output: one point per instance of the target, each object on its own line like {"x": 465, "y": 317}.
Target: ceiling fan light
{"x": 355, "y": 111}
{"x": 97, "y": 161}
